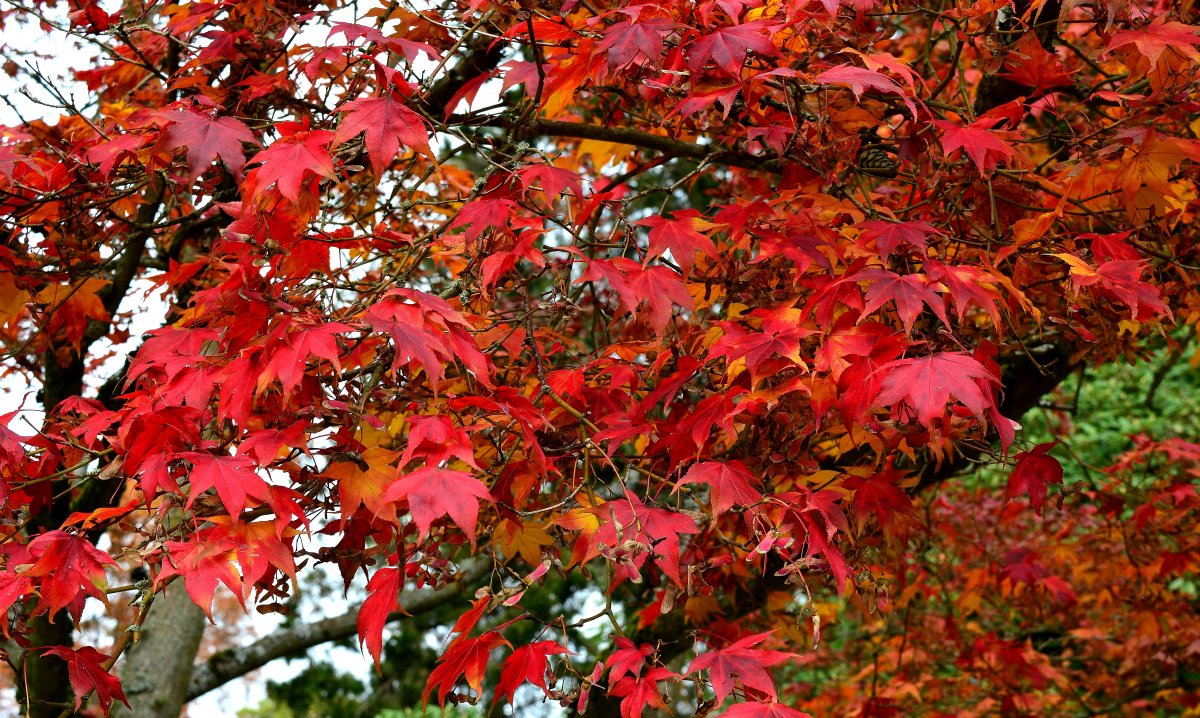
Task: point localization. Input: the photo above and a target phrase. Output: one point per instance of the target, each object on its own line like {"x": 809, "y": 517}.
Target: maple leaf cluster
{"x": 694, "y": 302}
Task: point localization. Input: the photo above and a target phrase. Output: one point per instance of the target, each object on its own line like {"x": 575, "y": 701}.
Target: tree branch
{"x": 1026, "y": 378}
{"x": 233, "y": 663}
{"x": 628, "y": 136}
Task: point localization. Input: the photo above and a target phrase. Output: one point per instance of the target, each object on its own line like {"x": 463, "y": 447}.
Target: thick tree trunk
{"x": 46, "y": 676}
{"x": 46, "y": 688}
{"x": 158, "y": 667}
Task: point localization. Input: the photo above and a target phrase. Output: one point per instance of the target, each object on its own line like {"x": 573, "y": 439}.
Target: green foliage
{"x": 1096, "y": 413}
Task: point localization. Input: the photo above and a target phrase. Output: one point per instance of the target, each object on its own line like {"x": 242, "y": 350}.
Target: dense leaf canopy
{"x": 699, "y": 304}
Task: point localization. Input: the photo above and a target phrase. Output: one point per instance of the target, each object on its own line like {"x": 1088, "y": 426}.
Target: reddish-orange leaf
{"x": 433, "y": 492}
{"x": 730, "y": 483}
{"x": 926, "y": 384}
{"x": 362, "y": 481}
{"x": 86, "y": 672}
{"x": 203, "y": 564}
{"x": 1036, "y": 469}
{"x": 763, "y": 710}
{"x": 383, "y": 591}
{"x": 387, "y": 124}
{"x": 289, "y": 162}
{"x": 69, "y": 308}
{"x": 67, "y": 567}
{"x": 639, "y": 693}
{"x": 680, "y": 237}
{"x": 206, "y": 139}
{"x": 527, "y": 663}
{"x": 742, "y": 662}
{"x": 728, "y": 47}
{"x": 466, "y": 658}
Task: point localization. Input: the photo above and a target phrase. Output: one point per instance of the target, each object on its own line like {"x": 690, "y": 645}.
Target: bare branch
{"x": 236, "y": 662}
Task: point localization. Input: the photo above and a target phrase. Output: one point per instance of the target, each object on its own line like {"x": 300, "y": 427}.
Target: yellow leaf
{"x": 363, "y": 480}
{"x": 12, "y": 301}
{"x": 523, "y": 539}
{"x": 604, "y": 153}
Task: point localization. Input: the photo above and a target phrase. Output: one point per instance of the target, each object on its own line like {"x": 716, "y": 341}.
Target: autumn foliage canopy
{"x": 701, "y": 304}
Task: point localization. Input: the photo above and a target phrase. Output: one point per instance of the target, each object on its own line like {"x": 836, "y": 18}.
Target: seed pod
{"x": 875, "y": 161}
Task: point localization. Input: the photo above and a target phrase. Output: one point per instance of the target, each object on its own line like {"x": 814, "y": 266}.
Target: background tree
{"x": 697, "y": 304}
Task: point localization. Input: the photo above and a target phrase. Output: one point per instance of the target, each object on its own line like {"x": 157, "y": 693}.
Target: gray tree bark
{"x": 158, "y": 667}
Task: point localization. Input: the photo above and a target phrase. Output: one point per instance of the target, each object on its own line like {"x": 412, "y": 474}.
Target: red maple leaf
{"x": 977, "y": 140}
{"x": 287, "y": 356}
{"x": 627, "y": 658}
{"x": 727, "y": 47}
{"x": 553, "y": 181}
{"x": 757, "y": 348}
{"x": 527, "y": 663}
{"x": 207, "y": 138}
{"x": 67, "y": 566}
{"x": 107, "y": 154}
{"x": 743, "y": 662}
{"x": 1036, "y": 469}
{"x": 925, "y": 384}
{"x": 763, "y": 710}
{"x": 967, "y": 286}
{"x": 639, "y": 693}
{"x": 1122, "y": 279}
{"x": 656, "y": 530}
{"x": 859, "y": 80}
{"x": 433, "y": 492}
{"x": 859, "y": 381}
{"x": 259, "y": 547}
{"x": 388, "y": 123}
{"x": 730, "y": 483}
{"x": 426, "y": 329}
{"x": 86, "y": 672}
{"x": 880, "y": 495}
{"x": 383, "y": 592}
{"x": 1118, "y": 279}
{"x": 910, "y": 292}
{"x": 850, "y": 338}
{"x": 12, "y": 588}
{"x": 889, "y": 235}
{"x": 203, "y": 564}
{"x": 436, "y": 439}
{"x": 290, "y": 161}
{"x": 626, "y": 40}
{"x": 466, "y": 657}
{"x": 657, "y": 288}
{"x": 480, "y": 215}
{"x": 233, "y": 477}
{"x": 680, "y": 237}
{"x": 1156, "y": 38}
